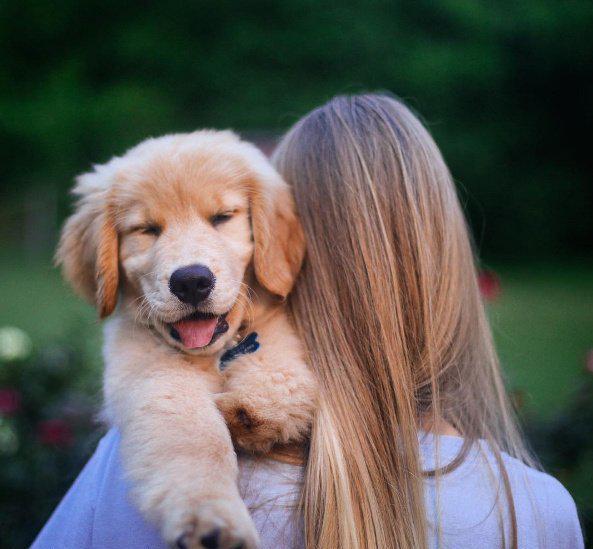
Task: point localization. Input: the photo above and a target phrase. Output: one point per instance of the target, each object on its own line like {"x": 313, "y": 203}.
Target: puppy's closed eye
{"x": 220, "y": 218}
{"x": 152, "y": 229}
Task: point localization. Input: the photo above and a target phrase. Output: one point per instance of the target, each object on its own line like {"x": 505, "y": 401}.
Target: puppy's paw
{"x": 215, "y": 524}
{"x": 257, "y": 425}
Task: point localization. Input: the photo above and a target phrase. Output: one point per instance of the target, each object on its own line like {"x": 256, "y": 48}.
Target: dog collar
{"x": 249, "y": 344}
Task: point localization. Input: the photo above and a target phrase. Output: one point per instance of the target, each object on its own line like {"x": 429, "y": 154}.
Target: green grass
{"x": 543, "y": 327}
{"x": 542, "y": 321}
{"x": 33, "y": 297}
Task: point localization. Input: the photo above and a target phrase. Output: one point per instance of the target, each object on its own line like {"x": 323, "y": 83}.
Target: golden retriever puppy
{"x": 191, "y": 241}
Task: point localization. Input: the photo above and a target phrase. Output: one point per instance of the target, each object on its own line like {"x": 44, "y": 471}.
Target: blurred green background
{"x": 504, "y": 87}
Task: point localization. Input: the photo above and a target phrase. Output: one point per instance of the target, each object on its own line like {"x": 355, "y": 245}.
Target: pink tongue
{"x": 196, "y": 333}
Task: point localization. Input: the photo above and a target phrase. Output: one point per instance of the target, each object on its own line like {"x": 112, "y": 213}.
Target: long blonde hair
{"x": 389, "y": 310}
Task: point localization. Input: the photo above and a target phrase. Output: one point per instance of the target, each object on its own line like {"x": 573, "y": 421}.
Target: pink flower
{"x": 10, "y": 401}
{"x": 55, "y": 432}
{"x": 589, "y": 361}
{"x": 489, "y": 284}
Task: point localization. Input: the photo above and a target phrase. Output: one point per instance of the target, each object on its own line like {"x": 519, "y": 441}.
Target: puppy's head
{"x": 176, "y": 230}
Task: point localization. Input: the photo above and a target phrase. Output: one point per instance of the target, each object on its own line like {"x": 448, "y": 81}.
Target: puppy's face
{"x": 178, "y": 229}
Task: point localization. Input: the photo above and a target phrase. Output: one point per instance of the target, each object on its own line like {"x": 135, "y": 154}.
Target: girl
{"x": 415, "y": 444}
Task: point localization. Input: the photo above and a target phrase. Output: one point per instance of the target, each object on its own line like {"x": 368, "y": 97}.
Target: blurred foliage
{"x": 48, "y": 398}
{"x": 504, "y": 86}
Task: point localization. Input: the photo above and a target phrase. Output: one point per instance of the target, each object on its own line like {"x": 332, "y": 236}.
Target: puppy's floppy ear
{"x": 88, "y": 248}
{"x": 277, "y": 232}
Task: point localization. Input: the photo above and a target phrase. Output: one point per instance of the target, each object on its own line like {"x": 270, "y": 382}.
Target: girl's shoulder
{"x": 472, "y": 500}
{"x": 542, "y": 500}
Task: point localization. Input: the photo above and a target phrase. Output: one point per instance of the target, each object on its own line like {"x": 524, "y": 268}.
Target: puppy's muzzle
{"x": 192, "y": 284}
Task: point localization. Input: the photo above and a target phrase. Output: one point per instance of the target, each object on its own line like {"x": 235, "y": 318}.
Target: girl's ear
{"x": 88, "y": 248}
{"x": 277, "y": 232}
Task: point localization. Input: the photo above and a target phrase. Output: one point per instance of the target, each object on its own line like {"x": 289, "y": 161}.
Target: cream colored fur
{"x": 171, "y": 403}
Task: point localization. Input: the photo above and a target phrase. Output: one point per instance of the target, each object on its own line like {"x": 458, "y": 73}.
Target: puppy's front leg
{"x": 270, "y": 395}
{"x": 176, "y": 448}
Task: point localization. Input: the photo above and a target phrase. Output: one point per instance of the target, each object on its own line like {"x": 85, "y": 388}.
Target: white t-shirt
{"x": 96, "y": 512}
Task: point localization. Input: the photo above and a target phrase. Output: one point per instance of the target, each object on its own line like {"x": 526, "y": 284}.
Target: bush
{"x": 48, "y": 399}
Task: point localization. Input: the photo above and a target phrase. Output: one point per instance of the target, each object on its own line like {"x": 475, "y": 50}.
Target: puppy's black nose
{"x": 192, "y": 284}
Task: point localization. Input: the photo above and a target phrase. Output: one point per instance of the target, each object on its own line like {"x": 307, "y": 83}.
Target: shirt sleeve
{"x": 96, "y": 511}
{"x": 71, "y": 523}
{"x": 561, "y": 517}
